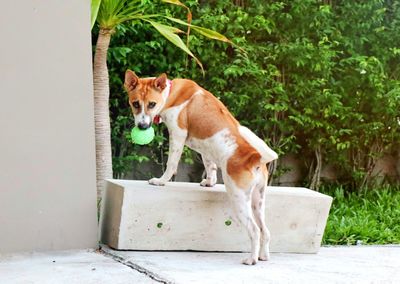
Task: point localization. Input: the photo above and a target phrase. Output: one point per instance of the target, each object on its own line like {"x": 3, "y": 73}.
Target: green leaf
{"x": 95, "y": 5}
{"x": 114, "y": 12}
{"x": 205, "y": 32}
{"x": 170, "y": 34}
{"x": 175, "y": 2}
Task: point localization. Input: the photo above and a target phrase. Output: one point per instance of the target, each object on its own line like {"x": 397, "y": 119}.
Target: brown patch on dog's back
{"x": 204, "y": 115}
{"x": 183, "y": 119}
{"x": 181, "y": 91}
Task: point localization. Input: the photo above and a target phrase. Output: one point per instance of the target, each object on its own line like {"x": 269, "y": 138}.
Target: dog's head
{"x": 147, "y": 97}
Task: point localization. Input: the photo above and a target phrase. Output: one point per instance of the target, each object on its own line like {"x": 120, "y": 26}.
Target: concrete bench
{"x": 185, "y": 216}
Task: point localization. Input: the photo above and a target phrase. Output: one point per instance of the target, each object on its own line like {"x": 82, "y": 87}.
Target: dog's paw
{"x": 157, "y": 181}
{"x": 207, "y": 183}
{"x": 249, "y": 261}
{"x": 264, "y": 255}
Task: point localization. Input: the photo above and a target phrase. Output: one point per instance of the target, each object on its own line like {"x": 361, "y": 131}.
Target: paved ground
{"x": 70, "y": 267}
{"x": 360, "y": 264}
{"x": 357, "y": 264}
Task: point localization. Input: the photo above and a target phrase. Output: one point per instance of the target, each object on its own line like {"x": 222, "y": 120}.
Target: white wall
{"x": 47, "y": 151}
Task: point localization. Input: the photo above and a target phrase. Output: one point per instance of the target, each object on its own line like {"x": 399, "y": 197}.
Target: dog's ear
{"x": 131, "y": 80}
{"x": 161, "y": 82}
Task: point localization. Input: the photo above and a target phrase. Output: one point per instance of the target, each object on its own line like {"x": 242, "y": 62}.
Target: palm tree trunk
{"x": 101, "y": 111}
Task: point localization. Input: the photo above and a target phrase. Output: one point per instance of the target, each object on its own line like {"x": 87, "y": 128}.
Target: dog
{"x": 199, "y": 120}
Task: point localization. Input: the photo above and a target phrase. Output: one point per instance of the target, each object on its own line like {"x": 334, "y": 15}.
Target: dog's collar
{"x": 168, "y": 88}
{"x": 157, "y": 119}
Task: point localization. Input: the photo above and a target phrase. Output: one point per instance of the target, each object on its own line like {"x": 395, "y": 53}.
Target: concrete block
{"x": 185, "y": 216}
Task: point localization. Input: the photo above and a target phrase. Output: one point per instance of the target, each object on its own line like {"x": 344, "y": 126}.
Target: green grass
{"x": 370, "y": 216}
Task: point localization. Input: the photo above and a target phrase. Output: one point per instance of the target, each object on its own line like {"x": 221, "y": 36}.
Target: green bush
{"x": 319, "y": 79}
{"x": 368, "y": 217}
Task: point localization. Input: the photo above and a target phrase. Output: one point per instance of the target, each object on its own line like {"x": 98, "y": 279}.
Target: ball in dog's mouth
{"x": 142, "y": 136}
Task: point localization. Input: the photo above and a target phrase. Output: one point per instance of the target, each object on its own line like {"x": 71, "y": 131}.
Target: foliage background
{"x": 319, "y": 79}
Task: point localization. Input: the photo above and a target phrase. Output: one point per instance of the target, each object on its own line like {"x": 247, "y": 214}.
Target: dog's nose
{"x": 143, "y": 125}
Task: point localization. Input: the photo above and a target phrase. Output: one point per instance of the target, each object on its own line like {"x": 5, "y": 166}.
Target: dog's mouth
{"x": 144, "y": 126}
{"x": 146, "y": 122}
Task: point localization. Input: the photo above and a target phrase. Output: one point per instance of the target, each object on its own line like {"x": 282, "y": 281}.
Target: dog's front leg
{"x": 211, "y": 172}
{"x": 176, "y": 144}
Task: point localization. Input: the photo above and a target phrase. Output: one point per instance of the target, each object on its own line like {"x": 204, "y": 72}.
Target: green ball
{"x": 142, "y": 136}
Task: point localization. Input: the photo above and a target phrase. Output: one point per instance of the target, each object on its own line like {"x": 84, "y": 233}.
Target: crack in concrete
{"x": 134, "y": 266}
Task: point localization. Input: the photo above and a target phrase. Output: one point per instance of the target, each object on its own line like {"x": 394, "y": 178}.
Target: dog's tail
{"x": 267, "y": 154}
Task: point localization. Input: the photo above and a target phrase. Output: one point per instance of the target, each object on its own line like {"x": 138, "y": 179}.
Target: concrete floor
{"x": 70, "y": 267}
{"x": 356, "y": 264}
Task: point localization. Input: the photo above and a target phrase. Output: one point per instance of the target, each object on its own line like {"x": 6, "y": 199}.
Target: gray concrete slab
{"x": 355, "y": 264}
{"x": 360, "y": 264}
{"x": 70, "y": 267}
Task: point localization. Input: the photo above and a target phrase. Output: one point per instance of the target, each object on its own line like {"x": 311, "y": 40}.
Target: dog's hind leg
{"x": 258, "y": 206}
{"x": 241, "y": 201}
{"x": 211, "y": 173}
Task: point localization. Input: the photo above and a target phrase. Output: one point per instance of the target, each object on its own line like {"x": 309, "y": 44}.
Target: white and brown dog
{"x": 196, "y": 118}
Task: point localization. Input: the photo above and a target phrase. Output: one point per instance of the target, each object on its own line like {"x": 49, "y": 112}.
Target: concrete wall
{"x": 47, "y": 152}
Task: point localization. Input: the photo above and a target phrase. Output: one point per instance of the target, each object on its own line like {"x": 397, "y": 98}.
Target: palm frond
{"x": 95, "y": 5}
{"x": 170, "y": 33}
{"x": 204, "y": 31}
{"x": 175, "y": 2}
{"x": 188, "y": 16}
{"x": 114, "y": 12}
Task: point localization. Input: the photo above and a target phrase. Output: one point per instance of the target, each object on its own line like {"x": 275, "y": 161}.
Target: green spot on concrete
{"x": 228, "y": 222}
{"x": 159, "y": 225}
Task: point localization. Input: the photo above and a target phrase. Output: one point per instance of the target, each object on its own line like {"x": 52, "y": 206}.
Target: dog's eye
{"x": 152, "y": 104}
{"x": 136, "y": 104}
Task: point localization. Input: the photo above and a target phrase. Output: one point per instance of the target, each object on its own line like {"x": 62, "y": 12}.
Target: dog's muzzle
{"x": 143, "y": 125}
